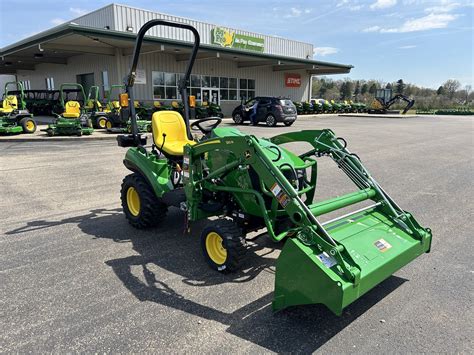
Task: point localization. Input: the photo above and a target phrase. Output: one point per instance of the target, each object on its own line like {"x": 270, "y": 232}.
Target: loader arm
{"x": 333, "y": 253}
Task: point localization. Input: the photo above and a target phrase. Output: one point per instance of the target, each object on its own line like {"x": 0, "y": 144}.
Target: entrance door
{"x": 86, "y": 80}
{"x": 209, "y": 95}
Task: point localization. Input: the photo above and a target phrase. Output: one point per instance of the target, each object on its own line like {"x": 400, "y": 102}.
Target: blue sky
{"x": 421, "y": 41}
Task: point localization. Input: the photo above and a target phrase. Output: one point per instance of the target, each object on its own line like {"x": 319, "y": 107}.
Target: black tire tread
{"x": 152, "y": 210}
{"x": 234, "y": 242}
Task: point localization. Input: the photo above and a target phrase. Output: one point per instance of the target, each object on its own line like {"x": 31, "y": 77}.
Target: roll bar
{"x": 130, "y": 78}
{"x": 71, "y": 85}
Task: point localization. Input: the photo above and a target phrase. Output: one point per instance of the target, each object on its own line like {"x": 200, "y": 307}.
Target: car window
{"x": 286, "y": 102}
{"x": 264, "y": 101}
{"x": 250, "y": 102}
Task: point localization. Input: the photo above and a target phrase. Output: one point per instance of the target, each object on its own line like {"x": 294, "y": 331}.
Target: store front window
{"x": 205, "y": 88}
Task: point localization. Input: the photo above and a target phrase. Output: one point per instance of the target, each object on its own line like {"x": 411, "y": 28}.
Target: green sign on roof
{"x": 225, "y": 38}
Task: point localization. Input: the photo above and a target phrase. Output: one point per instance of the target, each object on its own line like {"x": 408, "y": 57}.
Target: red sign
{"x": 292, "y": 80}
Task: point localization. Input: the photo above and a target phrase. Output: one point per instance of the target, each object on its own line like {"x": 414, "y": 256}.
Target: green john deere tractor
{"x": 14, "y": 116}
{"x": 74, "y": 120}
{"x": 117, "y": 118}
{"x": 94, "y": 108}
{"x": 247, "y": 183}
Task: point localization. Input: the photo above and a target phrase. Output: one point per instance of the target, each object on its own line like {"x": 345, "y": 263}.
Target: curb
{"x": 399, "y": 116}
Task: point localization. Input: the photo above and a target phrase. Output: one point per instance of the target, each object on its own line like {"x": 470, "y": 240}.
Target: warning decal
{"x": 280, "y": 195}
{"x": 382, "y": 245}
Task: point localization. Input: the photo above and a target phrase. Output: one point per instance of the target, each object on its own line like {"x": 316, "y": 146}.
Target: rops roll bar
{"x": 130, "y": 78}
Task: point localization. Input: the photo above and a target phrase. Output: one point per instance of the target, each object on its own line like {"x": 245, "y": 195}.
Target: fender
{"x": 156, "y": 171}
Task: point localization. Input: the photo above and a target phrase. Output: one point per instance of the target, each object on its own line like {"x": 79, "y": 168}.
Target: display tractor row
{"x": 245, "y": 183}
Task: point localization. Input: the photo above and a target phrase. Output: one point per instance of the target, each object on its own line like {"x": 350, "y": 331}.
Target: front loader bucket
{"x": 378, "y": 246}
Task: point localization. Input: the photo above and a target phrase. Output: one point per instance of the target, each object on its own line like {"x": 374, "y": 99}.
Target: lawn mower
{"x": 247, "y": 183}
{"x": 336, "y": 107}
{"x": 316, "y": 106}
{"x": 74, "y": 120}
{"x": 14, "y": 117}
{"x": 94, "y": 108}
{"x": 214, "y": 110}
{"x": 299, "y": 107}
{"x": 117, "y": 119}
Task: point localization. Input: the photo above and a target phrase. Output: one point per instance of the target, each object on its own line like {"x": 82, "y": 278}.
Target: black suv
{"x": 269, "y": 110}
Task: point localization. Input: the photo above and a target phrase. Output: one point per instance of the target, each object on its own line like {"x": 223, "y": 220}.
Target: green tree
{"x": 441, "y": 91}
{"x": 388, "y": 86}
{"x": 400, "y": 88}
{"x": 364, "y": 89}
{"x": 357, "y": 89}
{"x": 451, "y": 86}
{"x": 373, "y": 89}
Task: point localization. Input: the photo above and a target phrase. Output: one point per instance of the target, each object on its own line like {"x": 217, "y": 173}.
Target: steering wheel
{"x": 196, "y": 125}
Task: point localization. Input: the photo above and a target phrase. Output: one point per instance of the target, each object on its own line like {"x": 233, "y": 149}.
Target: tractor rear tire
{"x": 28, "y": 125}
{"x": 141, "y": 206}
{"x": 223, "y": 245}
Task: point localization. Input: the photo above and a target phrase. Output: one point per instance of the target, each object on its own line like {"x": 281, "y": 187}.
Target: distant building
{"x": 232, "y": 65}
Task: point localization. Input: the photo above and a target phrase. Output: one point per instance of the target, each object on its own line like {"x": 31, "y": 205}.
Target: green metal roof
{"x": 71, "y": 28}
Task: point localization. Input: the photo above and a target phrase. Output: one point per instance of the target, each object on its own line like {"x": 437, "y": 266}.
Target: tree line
{"x": 449, "y": 95}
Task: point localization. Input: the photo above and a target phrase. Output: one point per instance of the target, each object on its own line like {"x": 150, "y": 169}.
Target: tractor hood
{"x": 271, "y": 150}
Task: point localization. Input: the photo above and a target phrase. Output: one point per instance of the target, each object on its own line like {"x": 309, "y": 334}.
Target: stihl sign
{"x": 292, "y": 80}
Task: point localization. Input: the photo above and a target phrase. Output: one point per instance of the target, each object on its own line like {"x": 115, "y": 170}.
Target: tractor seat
{"x": 172, "y": 124}
{"x": 10, "y": 103}
{"x": 72, "y": 109}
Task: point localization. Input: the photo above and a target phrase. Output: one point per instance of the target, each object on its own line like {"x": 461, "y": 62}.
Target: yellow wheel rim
{"x": 133, "y": 201}
{"x": 109, "y": 124}
{"x": 102, "y": 123}
{"x": 215, "y": 249}
{"x": 30, "y": 125}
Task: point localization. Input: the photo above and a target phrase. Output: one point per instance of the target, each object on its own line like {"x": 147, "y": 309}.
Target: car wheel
{"x": 288, "y": 124}
{"x": 271, "y": 121}
{"x": 238, "y": 119}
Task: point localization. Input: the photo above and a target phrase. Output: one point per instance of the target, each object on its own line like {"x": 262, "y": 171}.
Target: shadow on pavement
{"x": 296, "y": 329}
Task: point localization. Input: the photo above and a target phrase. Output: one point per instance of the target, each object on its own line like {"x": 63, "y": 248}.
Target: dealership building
{"x": 232, "y": 64}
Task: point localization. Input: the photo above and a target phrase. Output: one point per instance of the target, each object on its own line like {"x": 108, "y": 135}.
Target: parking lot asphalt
{"x": 74, "y": 276}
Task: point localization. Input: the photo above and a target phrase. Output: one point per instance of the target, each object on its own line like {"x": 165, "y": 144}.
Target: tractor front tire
{"x": 223, "y": 245}
{"x": 28, "y": 125}
{"x": 141, "y": 206}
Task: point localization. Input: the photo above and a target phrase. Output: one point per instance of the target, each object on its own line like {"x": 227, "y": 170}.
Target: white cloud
{"x": 296, "y": 12}
{"x": 407, "y": 47}
{"x": 355, "y": 7}
{"x": 372, "y": 29}
{"x": 428, "y": 22}
{"x": 57, "y": 21}
{"x": 350, "y": 5}
{"x": 383, "y": 4}
{"x": 77, "y": 11}
{"x": 324, "y": 51}
{"x": 445, "y": 6}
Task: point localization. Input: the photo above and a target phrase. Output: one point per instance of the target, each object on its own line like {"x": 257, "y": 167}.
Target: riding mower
{"x": 214, "y": 110}
{"x": 316, "y": 106}
{"x": 336, "y": 107}
{"x": 299, "y": 107}
{"x": 94, "y": 108}
{"x": 247, "y": 183}
{"x": 74, "y": 120}
{"x": 117, "y": 119}
{"x": 14, "y": 117}
{"x": 307, "y": 108}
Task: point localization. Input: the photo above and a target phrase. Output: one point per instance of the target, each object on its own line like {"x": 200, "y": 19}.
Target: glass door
{"x": 209, "y": 95}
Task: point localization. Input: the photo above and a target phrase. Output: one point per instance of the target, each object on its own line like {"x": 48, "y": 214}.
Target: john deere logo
{"x": 229, "y": 39}
{"x": 223, "y": 37}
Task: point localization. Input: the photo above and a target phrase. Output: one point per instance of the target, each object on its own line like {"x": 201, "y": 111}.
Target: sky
{"x": 424, "y": 42}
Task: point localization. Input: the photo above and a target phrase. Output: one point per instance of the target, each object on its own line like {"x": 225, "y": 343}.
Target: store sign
{"x": 292, "y": 80}
{"x": 140, "y": 77}
{"x": 228, "y": 39}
